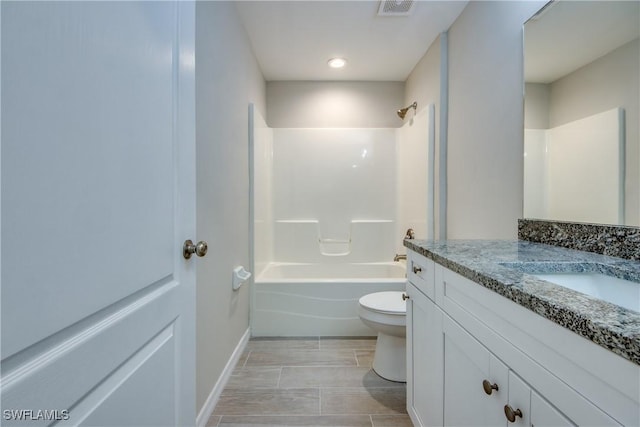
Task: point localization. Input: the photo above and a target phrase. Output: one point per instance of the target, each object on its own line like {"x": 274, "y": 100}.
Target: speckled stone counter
{"x": 613, "y": 240}
{"x": 501, "y": 266}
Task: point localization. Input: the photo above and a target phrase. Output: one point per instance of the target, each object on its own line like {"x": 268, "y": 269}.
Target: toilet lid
{"x": 385, "y": 302}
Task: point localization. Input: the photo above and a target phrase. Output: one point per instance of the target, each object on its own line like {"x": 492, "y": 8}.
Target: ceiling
{"x": 293, "y": 40}
{"x": 571, "y": 34}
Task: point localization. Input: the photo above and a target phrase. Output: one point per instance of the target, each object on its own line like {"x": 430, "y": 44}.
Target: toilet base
{"x": 389, "y": 360}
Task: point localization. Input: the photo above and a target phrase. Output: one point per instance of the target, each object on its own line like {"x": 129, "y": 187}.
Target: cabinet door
{"x": 545, "y": 415}
{"x": 519, "y": 404}
{"x": 424, "y": 359}
{"x": 467, "y": 364}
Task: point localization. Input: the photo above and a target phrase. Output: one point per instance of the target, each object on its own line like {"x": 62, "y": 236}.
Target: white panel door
{"x": 98, "y": 195}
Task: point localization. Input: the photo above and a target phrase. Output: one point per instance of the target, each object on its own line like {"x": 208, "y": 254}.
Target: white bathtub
{"x": 318, "y": 299}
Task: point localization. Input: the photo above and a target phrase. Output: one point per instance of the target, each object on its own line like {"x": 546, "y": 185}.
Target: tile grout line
{"x": 244, "y": 365}
{"x": 279, "y": 377}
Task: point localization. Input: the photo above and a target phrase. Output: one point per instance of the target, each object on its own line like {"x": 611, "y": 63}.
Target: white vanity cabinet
{"x": 482, "y": 391}
{"x": 424, "y": 345}
{"x": 475, "y": 358}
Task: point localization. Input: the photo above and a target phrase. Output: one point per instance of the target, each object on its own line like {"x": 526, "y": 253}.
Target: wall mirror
{"x": 582, "y": 150}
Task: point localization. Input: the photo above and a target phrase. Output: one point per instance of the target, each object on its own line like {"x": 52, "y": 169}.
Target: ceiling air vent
{"x": 395, "y": 7}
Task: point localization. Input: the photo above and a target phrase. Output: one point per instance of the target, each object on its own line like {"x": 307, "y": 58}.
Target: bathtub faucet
{"x": 399, "y": 257}
{"x": 410, "y": 234}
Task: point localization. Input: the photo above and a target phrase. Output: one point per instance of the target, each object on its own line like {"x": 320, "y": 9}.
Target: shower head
{"x": 403, "y": 111}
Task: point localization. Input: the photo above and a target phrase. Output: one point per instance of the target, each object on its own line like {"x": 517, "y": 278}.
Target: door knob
{"x": 488, "y": 387}
{"x": 416, "y": 270}
{"x": 511, "y": 414}
{"x": 189, "y": 248}
{"x": 405, "y": 297}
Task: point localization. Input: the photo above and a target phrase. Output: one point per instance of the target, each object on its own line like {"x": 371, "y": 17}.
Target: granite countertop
{"x": 501, "y": 265}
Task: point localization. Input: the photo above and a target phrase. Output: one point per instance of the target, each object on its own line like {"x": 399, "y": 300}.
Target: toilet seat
{"x": 389, "y": 302}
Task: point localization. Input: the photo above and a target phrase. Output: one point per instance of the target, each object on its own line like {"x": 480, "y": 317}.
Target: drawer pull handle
{"x": 488, "y": 387}
{"x": 405, "y": 297}
{"x": 416, "y": 270}
{"x": 511, "y": 414}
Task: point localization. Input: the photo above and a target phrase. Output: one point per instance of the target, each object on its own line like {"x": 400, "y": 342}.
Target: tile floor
{"x": 310, "y": 382}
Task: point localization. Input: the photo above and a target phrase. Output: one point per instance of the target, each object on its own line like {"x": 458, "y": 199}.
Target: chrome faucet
{"x": 410, "y": 234}
{"x": 399, "y": 257}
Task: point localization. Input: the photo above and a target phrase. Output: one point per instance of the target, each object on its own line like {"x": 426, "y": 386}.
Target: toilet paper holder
{"x": 240, "y": 275}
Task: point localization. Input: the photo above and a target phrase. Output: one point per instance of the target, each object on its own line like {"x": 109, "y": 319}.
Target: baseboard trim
{"x": 212, "y": 400}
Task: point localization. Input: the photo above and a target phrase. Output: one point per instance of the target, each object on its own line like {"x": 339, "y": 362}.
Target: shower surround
{"x": 327, "y": 224}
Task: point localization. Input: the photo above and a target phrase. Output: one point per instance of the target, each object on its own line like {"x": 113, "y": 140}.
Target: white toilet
{"x": 386, "y": 312}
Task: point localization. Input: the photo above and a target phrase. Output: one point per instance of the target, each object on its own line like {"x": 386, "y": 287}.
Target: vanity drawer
{"x": 420, "y": 272}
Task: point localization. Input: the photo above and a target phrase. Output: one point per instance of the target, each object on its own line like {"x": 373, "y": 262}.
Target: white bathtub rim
{"x": 260, "y": 279}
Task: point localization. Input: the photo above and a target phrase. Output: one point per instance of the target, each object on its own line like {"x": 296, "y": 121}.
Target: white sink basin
{"x": 617, "y": 291}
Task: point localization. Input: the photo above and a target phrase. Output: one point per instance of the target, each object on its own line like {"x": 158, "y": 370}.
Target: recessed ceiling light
{"x": 337, "y": 62}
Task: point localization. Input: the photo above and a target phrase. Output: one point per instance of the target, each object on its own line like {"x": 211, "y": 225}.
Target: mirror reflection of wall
{"x": 582, "y": 92}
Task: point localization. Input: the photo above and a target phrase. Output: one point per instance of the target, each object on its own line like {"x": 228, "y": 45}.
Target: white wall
{"x": 414, "y": 177}
{"x": 608, "y": 82}
{"x": 263, "y": 192}
{"x": 222, "y": 99}
{"x": 535, "y": 174}
{"x": 295, "y": 104}
{"x": 334, "y": 195}
{"x": 485, "y": 142}
{"x": 536, "y": 107}
{"x": 423, "y": 86}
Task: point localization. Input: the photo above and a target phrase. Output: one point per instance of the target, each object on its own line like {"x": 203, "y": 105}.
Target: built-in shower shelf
{"x": 363, "y": 240}
{"x": 335, "y": 247}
